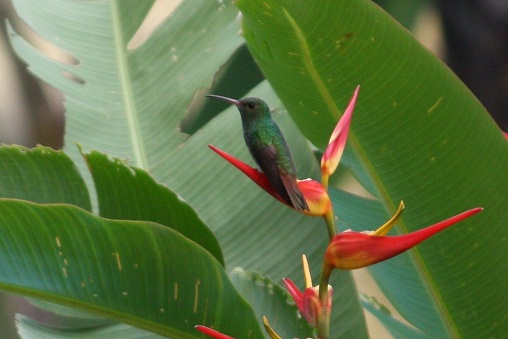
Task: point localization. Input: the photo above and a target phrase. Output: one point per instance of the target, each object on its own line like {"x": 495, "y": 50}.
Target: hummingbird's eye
{"x": 251, "y": 105}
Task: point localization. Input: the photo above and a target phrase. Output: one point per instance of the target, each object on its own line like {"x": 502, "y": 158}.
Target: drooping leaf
{"x": 129, "y": 193}
{"x": 41, "y": 175}
{"x": 417, "y": 135}
{"x": 63, "y": 254}
{"x": 44, "y": 175}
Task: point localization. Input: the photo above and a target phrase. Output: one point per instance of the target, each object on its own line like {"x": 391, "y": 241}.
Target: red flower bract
{"x": 337, "y": 142}
{"x": 350, "y": 250}
{"x": 212, "y": 333}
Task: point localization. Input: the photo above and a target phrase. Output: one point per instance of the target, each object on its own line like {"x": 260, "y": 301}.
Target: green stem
{"x": 330, "y": 223}
{"x": 323, "y": 325}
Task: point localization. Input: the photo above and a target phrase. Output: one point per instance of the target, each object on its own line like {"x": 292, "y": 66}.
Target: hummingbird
{"x": 269, "y": 149}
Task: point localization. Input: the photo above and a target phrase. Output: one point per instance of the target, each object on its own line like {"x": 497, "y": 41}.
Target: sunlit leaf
{"x": 417, "y": 135}
{"x": 161, "y": 282}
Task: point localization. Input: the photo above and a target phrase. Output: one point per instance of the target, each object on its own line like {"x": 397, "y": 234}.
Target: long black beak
{"x": 231, "y": 101}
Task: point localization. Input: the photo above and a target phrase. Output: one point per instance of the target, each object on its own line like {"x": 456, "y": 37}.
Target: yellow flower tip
{"x": 387, "y": 226}
{"x": 269, "y": 329}
{"x": 306, "y": 272}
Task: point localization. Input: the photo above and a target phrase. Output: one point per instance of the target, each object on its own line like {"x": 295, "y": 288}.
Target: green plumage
{"x": 269, "y": 149}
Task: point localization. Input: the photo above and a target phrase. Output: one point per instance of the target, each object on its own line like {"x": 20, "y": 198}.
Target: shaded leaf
{"x": 130, "y": 101}
{"x": 129, "y": 193}
{"x": 227, "y": 82}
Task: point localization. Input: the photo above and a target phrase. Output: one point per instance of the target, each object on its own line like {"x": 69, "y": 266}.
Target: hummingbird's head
{"x": 248, "y": 107}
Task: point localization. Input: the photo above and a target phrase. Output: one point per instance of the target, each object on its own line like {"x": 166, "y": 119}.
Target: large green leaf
{"x": 64, "y": 254}
{"x": 43, "y": 175}
{"x": 417, "y": 134}
{"x": 56, "y": 179}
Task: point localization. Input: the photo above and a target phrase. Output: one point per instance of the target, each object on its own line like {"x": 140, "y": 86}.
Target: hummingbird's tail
{"x": 294, "y": 196}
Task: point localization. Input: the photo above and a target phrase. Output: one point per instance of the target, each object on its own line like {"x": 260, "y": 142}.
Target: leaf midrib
{"x": 131, "y": 112}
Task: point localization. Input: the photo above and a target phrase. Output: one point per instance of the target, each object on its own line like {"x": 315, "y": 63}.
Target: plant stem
{"x": 330, "y": 223}
{"x": 324, "y": 179}
{"x": 323, "y": 325}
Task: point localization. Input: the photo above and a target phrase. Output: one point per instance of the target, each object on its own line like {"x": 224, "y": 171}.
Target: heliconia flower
{"x": 333, "y": 153}
{"x": 212, "y": 333}
{"x": 314, "y": 193}
{"x": 308, "y": 302}
{"x": 350, "y": 250}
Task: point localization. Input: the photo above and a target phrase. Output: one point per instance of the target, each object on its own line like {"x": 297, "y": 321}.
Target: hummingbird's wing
{"x": 279, "y": 170}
